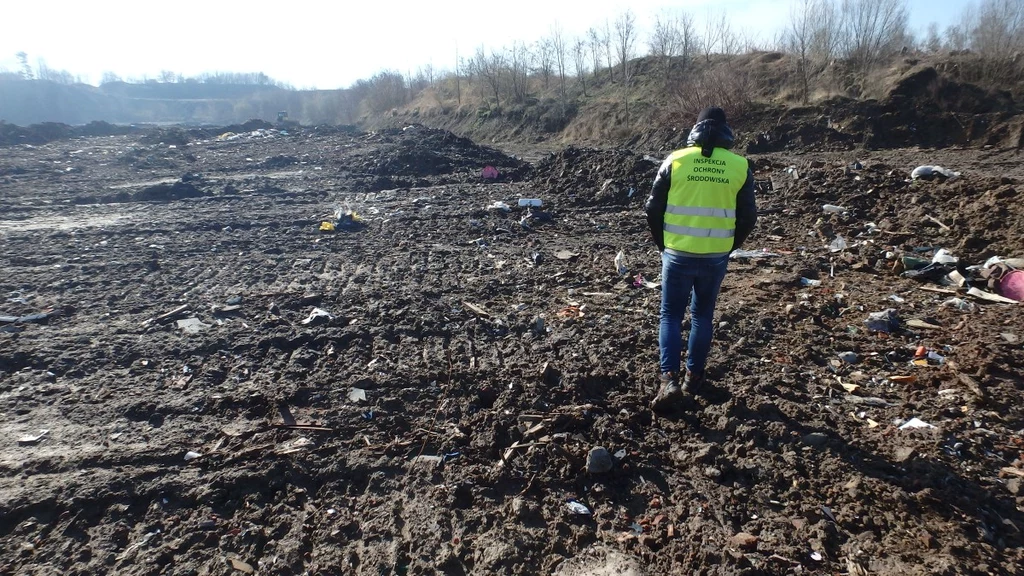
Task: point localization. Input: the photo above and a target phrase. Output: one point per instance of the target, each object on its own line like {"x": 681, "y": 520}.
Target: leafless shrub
{"x": 727, "y": 87}
{"x": 874, "y": 29}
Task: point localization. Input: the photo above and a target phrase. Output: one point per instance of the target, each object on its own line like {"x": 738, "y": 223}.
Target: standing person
{"x": 701, "y": 208}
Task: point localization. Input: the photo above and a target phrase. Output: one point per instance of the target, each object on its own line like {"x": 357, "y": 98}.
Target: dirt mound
{"x": 168, "y": 136}
{"x": 416, "y": 155}
{"x": 169, "y": 192}
{"x": 420, "y": 151}
{"x": 588, "y": 176}
{"x": 976, "y": 215}
{"x": 34, "y": 134}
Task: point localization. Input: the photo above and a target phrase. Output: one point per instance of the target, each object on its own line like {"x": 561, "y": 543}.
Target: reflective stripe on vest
{"x": 700, "y": 217}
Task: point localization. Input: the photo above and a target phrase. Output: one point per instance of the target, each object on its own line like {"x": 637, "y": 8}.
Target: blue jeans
{"x": 694, "y": 282}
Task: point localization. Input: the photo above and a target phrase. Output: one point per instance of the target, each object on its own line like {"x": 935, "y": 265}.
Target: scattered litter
{"x": 1011, "y": 285}
{"x": 943, "y": 256}
{"x": 837, "y": 245}
{"x": 848, "y": 357}
{"x": 29, "y": 440}
{"x": 242, "y": 566}
{"x": 499, "y": 206}
{"x": 915, "y": 422}
{"x": 294, "y": 446}
{"x": 30, "y": 318}
{"x": 599, "y": 460}
{"x": 192, "y": 325}
{"x": 578, "y": 508}
{"x": 990, "y": 297}
{"x": 833, "y": 209}
{"x": 884, "y": 321}
{"x": 620, "y": 264}
{"x": 326, "y": 226}
{"x": 897, "y": 299}
{"x": 931, "y": 172}
{"x": 476, "y": 309}
{"x": 1010, "y": 337}
{"x": 566, "y": 255}
{"x": 921, "y": 324}
{"x": 357, "y": 395}
{"x": 809, "y": 282}
{"x": 816, "y": 556}
{"x": 961, "y": 305}
{"x": 903, "y": 379}
{"x": 489, "y": 173}
{"x": 828, "y": 514}
{"x": 760, "y": 253}
{"x": 317, "y": 317}
{"x": 190, "y": 455}
{"x": 531, "y": 202}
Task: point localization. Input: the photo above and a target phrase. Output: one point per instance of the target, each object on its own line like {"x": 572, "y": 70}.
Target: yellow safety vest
{"x": 701, "y": 214}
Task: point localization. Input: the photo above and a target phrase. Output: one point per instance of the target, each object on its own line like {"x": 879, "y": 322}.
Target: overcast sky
{"x": 330, "y": 44}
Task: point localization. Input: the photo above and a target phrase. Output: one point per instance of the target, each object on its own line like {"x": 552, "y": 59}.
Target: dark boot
{"x": 669, "y": 393}
{"x": 693, "y": 382}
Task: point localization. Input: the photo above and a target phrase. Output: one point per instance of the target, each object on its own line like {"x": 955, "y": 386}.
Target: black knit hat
{"x": 713, "y": 113}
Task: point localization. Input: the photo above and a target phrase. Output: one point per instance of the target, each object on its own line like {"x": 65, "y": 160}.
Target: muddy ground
{"x": 437, "y": 416}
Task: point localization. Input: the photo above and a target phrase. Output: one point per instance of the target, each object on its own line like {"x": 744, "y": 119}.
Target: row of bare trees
{"x": 866, "y": 32}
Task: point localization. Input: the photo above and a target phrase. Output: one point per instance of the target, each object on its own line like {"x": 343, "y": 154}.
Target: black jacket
{"x": 709, "y": 135}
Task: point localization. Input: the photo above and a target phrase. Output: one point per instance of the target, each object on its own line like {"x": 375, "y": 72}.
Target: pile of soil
{"x": 418, "y": 151}
{"x": 588, "y": 176}
{"x": 226, "y": 388}
{"x": 922, "y": 108}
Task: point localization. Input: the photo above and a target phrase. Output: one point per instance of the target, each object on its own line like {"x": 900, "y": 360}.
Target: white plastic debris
{"x": 620, "y": 264}
{"x": 760, "y": 253}
{"x": 848, "y": 357}
{"x": 809, "y": 282}
{"x": 537, "y": 202}
{"x": 837, "y": 245}
{"x": 915, "y": 422}
{"x": 29, "y": 439}
{"x": 190, "y": 455}
{"x": 929, "y": 172}
{"x": 578, "y": 508}
{"x": 961, "y": 305}
{"x": 499, "y": 206}
{"x": 833, "y": 209}
{"x": 943, "y": 256}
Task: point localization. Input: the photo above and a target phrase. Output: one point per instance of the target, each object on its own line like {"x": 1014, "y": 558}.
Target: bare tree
{"x": 799, "y": 36}
{"x": 625, "y": 38}
{"x": 167, "y": 77}
{"x": 932, "y": 39}
{"x": 828, "y": 31}
{"x": 998, "y": 29}
{"x": 715, "y": 27}
{"x": 560, "y": 51}
{"x": 579, "y": 58}
{"x": 955, "y": 38}
{"x": 594, "y": 45}
{"x": 458, "y": 80}
{"x": 608, "y": 40}
{"x": 109, "y": 77}
{"x": 519, "y": 61}
{"x": 26, "y": 70}
{"x": 490, "y": 67}
{"x": 665, "y": 39}
{"x": 874, "y": 29}
{"x": 545, "y": 56}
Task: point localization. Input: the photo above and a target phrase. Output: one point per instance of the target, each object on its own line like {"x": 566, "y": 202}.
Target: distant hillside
{"x": 910, "y": 100}
{"x": 25, "y": 102}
